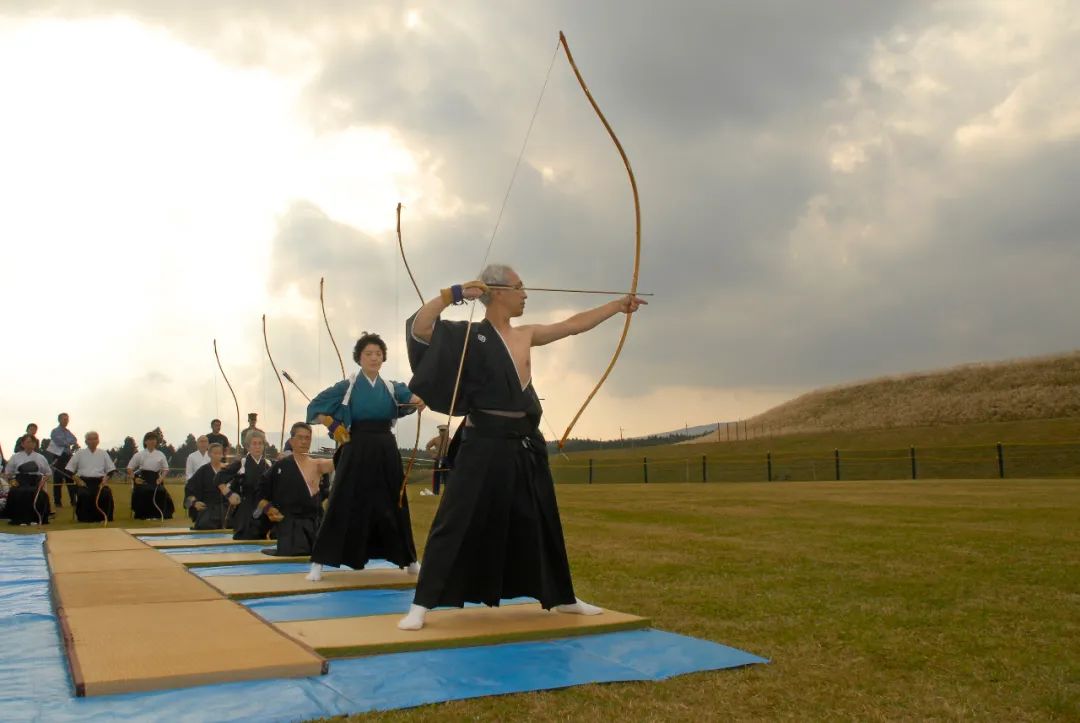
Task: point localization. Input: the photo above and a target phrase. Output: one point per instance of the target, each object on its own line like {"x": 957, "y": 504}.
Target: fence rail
{"x": 1057, "y": 460}
{"x": 964, "y": 462}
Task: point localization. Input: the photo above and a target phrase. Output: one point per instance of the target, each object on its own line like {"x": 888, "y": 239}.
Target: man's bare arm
{"x": 578, "y": 323}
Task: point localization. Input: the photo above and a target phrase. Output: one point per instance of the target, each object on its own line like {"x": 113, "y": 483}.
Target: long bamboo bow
{"x": 233, "y": 393}
{"x": 322, "y": 304}
{"x": 419, "y": 412}
{"x": 632, "y": 291}
{"x": 284, "y": 401}
{"x": 97, "y": 501}
{"x": 637, "y": 237}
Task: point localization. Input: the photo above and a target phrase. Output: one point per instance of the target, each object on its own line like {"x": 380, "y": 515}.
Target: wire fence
{"x": 1021, "y": 460}
{"x": 964, "y": 462}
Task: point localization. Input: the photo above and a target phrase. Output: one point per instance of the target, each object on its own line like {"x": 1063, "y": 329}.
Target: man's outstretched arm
{"x": 586, "y": 320}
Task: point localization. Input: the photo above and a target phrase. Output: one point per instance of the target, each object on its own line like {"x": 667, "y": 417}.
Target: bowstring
{"x": 495, "y": 229}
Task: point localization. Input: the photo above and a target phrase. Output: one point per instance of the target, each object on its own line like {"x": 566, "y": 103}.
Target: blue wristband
{"x": 458, "y": 294}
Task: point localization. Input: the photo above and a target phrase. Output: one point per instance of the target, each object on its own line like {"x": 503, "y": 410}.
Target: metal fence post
{"x": 1001, "y": 461}
{"x": 768, "y": 465}
{"x": 704, "y": 470}
{"x": 590, "y": 470}
{"x": 645, "y": 468}
{"x": 836, "y": 458}
{"x": 914, "y": 472}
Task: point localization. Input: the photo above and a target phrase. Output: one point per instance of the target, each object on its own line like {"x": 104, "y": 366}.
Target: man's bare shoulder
{"x": 524, "y": 333}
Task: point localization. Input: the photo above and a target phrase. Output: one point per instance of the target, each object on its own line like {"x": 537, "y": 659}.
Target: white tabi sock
{"x": 316, "y": 572}
{"x": 413, "y": 568}
{"x": 579, "y": 607}
{"x": 415, "y": 619}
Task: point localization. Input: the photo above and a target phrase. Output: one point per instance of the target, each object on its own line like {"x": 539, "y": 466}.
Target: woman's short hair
{"x": 367, "y": 339}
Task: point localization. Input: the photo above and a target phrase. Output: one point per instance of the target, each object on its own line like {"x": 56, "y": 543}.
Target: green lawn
{"x": 928, "y": 600}
{"x": 874, "y": 600}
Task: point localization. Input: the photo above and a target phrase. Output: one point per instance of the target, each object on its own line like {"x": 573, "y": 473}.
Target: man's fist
{"x": 464, "y": 292}
{"x": 629, "y": 304}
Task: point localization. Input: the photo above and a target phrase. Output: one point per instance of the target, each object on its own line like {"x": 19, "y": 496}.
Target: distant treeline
{"x": 581, "y": 445}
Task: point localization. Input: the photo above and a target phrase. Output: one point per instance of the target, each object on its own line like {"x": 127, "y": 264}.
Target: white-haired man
{"x": 93, "y": 466}
{"x": 497, "y": 532}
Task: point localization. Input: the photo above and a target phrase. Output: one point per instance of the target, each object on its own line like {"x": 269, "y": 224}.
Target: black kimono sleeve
{"x": 228, "y": 476}
{"x": 435, "y": 365}
{"x": 324, "y": 489}
{"x": 189, "y": 491}
{"x": 265, "y": 489}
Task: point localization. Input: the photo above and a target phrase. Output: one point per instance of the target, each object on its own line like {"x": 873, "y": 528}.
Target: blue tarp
{"x": 34, "y": 683}
{"x": 275, "y": 568}
{"x": 215, "y": 549}
{"x": 340, "y": 604}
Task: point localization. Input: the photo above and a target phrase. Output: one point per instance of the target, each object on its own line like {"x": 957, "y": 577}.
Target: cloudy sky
{"x": 830, "y": 191}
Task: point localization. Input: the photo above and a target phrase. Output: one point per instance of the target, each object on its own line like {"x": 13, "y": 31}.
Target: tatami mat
{"x": 118, "y": 587}
{"x": 142, "y": 559}
{"x": 137, "y": 620}
{"x": 97, "y": 539}
{"x": 457, "y": 628}
{"x": 178, "y": 645}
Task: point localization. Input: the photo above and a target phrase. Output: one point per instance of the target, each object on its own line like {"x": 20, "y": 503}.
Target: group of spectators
{"x": 85, "y": 471}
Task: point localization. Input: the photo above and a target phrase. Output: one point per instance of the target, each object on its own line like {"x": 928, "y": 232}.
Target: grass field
{"x": 925, "y": 600}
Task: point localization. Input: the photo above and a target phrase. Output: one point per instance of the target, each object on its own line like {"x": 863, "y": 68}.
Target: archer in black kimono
{"x": 243, "y": 477}
{"x": 292, "y": 500}
{"x": 497, "y": 532}
{"x": 208, "y": 500}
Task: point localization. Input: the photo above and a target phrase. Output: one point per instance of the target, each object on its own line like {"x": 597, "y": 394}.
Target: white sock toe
{"x": 415, "y": 619}
{"x": 316, "y": 573}
{"x": 579, "y": 607}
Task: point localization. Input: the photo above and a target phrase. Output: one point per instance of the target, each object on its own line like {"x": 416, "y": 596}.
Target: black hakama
{"x": 203, "y": 487}
{"x": 363, "y": 520}
{"x": 497, "y": 532}
{"x": 284, "y": 487}
{"x": 29, "y": 501}
{"x": 88, "y": 500}
{"x": 243, "y": 477}
{"x": 150, "y": 500}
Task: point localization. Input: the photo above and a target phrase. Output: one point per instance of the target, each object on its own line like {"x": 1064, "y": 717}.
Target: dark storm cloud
{"x": 729, "y": 112}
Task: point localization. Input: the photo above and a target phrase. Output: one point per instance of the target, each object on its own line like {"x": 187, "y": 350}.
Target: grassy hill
{"x": 1045, "y": 387}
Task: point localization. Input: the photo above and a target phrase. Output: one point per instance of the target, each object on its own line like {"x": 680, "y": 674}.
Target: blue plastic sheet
{"x": 22, "y": 557}
{"x": 263, "y": 568}
{"x": 34, "y": 682}
{"x": 340, "y": 604}
{"x": 275, "y": 568}
{"x": 215, "y": 549}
